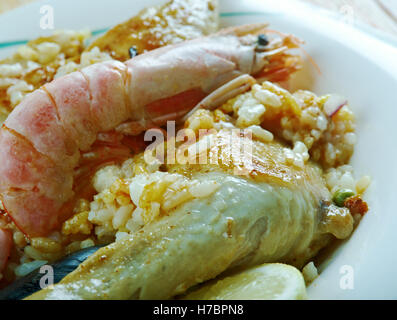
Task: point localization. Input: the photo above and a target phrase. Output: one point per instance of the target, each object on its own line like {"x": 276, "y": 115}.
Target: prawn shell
{"x": 72, "y": 97}
{"x": 31, "y": 185}
{"x": 36, "y": 119}
{"x": 106, "y": 85}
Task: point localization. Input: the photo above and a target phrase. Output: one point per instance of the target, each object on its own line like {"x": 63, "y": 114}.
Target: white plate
{"x": 353, "y": 63}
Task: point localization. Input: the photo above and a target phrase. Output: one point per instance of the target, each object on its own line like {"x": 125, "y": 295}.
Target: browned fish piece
{"x": 276, "y": 213}
{"x": 154, "y": 27}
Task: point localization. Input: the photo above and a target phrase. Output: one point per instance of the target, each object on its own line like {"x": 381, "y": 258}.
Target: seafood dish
{"x": 161, "y": 165}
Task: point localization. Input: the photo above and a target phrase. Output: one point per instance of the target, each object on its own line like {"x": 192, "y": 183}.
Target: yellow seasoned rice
{"x": 136, "y": 193}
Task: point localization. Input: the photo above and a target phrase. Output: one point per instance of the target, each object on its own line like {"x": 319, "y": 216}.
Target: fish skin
{"x": 192, "y": 244}
{"x": 275, "y": 213}
{"x": 158, "y": 26}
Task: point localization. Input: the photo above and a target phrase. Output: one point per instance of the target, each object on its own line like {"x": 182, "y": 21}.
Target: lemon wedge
{"x": 266, "y": 282}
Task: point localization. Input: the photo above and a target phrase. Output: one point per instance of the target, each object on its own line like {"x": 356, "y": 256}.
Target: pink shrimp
{"x": 65, "y": 130}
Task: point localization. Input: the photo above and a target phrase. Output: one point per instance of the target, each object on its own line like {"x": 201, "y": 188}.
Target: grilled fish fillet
{"x": 274, "y": 213}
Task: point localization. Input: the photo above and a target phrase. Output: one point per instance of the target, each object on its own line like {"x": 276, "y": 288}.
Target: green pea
{"x": 341, "y": 195}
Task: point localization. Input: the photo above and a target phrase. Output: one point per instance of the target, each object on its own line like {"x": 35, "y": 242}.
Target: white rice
{"x": 309, "y": 273}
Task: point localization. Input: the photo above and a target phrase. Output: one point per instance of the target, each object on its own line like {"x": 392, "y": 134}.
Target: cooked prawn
{"x": 62, "y": 132}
